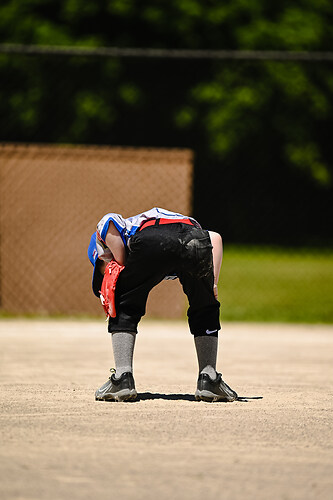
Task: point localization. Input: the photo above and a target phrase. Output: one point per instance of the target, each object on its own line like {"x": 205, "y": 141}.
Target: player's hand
{"x": 216, "y": 292}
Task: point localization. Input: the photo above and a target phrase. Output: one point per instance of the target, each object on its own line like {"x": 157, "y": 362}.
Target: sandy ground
{"x": 58, "y": 443}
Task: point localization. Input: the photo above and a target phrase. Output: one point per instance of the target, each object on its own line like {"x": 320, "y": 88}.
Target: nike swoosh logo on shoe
{"x": 210, "y": 331}
{"x": 104, "y": 390}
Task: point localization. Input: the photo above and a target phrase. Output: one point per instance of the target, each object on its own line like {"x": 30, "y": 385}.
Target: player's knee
{"x": 205, "y": 321}
{"x": 123, "y": 323}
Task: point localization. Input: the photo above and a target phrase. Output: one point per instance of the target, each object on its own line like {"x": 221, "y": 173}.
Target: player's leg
{"x": 144, "y": 269}
{"x": 206, "y": 349}
{"x": 123, "y": 350}
{"x": 197, "y": 278}
{"x": 210, "y": 385}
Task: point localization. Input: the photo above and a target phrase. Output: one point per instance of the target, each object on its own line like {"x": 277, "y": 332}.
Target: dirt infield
{"x": 58, "y": 443}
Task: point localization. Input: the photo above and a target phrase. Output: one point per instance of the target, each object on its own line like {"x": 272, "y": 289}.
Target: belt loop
{"x": 157, "y": 221}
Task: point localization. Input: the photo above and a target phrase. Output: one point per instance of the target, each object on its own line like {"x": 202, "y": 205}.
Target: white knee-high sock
{"x": 123, "y": 350}
{"x": 206, "y": 348}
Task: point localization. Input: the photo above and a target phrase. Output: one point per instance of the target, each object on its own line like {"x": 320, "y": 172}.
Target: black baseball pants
{"x": 159, "y": 251}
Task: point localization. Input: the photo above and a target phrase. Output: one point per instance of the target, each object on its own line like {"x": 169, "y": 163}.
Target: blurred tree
{"x": 260, "y": 130}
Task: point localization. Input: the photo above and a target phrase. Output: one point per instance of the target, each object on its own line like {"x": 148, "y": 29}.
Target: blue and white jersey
{"x": 128, "y": 227}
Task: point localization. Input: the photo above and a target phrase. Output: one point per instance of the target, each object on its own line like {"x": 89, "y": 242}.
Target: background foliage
{"x": 261, "y": 131}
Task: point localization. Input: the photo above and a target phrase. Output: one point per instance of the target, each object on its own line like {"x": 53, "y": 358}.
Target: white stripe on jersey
{"x": 128, "y": 227}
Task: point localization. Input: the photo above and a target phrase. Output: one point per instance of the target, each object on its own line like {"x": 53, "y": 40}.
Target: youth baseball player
{"x": 131, "y": 256}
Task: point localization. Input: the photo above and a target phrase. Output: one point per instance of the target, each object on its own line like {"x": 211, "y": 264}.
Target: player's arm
{"x": 115, "y": 243}
{"x": 216, "y": 240}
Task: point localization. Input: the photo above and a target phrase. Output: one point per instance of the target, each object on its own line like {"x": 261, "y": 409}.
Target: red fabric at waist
{"x": 157, "y": 222}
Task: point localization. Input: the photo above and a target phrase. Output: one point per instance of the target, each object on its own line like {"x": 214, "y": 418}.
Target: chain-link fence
{"x": 259, "y": 127}
{"x": 51, "y": 199}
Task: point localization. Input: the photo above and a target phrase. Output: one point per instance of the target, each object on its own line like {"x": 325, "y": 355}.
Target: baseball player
{"x": 143, "y": 250}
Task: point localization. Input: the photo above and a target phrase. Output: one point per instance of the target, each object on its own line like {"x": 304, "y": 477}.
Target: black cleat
{"x": 213, "y": 390}
{"x": 117, "y": 389}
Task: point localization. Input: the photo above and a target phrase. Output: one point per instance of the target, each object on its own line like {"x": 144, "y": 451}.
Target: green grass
{"x": 267, "y": 284}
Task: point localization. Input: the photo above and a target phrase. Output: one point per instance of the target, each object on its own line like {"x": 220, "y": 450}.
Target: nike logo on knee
{"x": 210, "y": 331}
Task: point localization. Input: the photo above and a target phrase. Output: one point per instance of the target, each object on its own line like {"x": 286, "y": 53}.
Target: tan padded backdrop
{"x": 51, "y": 200}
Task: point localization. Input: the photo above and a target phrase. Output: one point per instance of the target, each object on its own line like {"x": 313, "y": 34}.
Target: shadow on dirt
{"x": 144, "y": 396}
